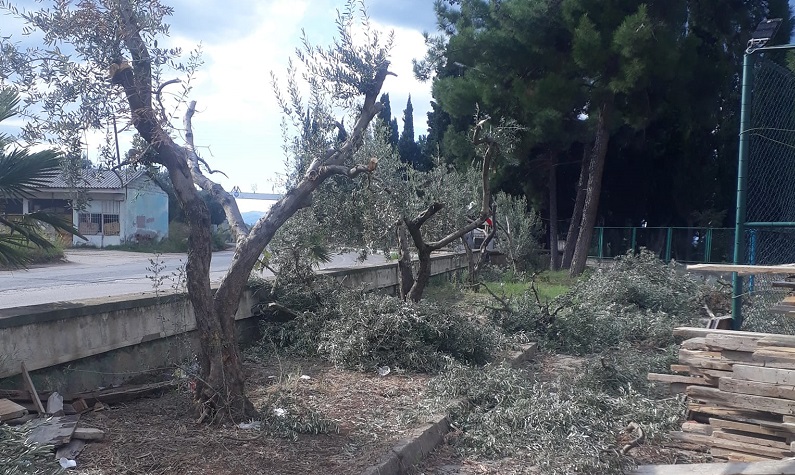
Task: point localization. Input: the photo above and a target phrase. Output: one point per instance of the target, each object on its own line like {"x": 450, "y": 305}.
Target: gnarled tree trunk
{"x": 405, "y": 270}
{"x": 220, "y": 387}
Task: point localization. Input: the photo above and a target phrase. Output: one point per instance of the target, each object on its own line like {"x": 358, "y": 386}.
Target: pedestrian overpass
{"x": 255, "y": 196}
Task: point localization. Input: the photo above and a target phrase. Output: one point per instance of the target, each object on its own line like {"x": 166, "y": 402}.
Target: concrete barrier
{"x": 84, "y": 344}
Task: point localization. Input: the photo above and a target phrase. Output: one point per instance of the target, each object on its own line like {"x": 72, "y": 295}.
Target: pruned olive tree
{"x": 420, "y": 212}
{"x": 100, "y": 59}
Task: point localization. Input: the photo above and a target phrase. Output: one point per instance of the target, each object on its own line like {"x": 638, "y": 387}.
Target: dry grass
{"x": 159, "y": 436}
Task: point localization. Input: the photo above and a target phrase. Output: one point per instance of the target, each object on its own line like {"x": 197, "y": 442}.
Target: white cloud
{"x": 409, "y": 44}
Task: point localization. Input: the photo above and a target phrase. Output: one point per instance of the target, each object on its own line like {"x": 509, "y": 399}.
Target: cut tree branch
{"x": 226, "y": 200}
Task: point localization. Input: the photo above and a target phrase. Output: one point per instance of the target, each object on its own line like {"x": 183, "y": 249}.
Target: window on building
{"x": 110, "y": 225}
{"x": 10, "y": 206}
{"x": 89, "y": 223}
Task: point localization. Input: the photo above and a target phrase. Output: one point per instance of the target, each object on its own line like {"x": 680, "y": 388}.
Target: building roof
{"x": 95, "y": 179}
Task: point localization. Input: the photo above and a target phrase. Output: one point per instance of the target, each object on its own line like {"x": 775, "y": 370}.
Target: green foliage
{"x": 286, "y": 413}
{"x": 18, "y": 457}
{"x": 386, "y": 331}
{"x": 365, "y": 331}
{"x": 639, "y": 299}
{"x": 21, "y": 172}
{"x": 520, "y": 232}
{"x": 564, "y": 426}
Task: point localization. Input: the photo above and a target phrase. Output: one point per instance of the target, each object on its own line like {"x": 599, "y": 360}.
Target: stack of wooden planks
{"x": 740, "y": 389}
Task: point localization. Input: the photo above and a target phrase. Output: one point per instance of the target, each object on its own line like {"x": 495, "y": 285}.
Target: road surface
{"x": 93, "y": 273}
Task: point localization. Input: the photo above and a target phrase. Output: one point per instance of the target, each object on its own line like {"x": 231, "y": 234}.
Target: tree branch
{"x": 370, "y": 109}
{"x": 159, "y": 98}
{"x": 218, "y": 193}
{"x": 485, "y": 210}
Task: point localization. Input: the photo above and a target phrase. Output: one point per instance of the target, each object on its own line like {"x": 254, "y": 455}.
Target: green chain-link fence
{"x": 681, "y": 244}
{"x": 766, "y": 181}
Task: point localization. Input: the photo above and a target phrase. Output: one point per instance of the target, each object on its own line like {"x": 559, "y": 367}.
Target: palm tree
{"x": 21, "y": 172}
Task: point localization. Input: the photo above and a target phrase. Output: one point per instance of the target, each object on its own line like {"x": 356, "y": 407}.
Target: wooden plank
{"x": 749, "y": 448}
{"x": 774, "y": 358}
{"x": 787, "y": 310}
{"x": 704, "y": 359}
{"x": 764, "y": 375}
{"x": 694, "y": 427}
{"x": 783, "y": 284}
{"x": 88, "y": 433}
{"x": 32, "y": 389}
{"x": 22, "y": 394}
{"x": 697, "y": 343}
{"x": 781, "y": 467}
{"x": 749, "y": 416}
{"x": 691, "y": 438}
{"x": 10, "y": 410}
{"x": 750, "y": 439}
{"x": 742, "y": 269}
{"x": 732, "y": 342}
{"x": 777, "y": 340}
{"x": 680, "y": 368}
{"x": 124, "y": 393}
{"x": 742, "y": 401}
{"x": 675, "y": 378}
{"x": 54, "y": 431}
{"x": 716, "y": 423}
{"x": 734, "y": 456}
{"x": 693, "y": 332}
{"x": 756, "y": 388}
{"x": 736, "y": 357}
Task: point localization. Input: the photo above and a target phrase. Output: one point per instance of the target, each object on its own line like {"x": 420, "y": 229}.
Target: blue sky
{"x": 238, "y": 121}
{"x": 237, "y": 126}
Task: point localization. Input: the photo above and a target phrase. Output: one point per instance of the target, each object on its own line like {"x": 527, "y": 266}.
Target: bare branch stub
{"x": 227, "y": 201}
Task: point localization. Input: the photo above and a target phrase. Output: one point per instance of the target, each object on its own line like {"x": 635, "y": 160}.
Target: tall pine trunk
{"x": 576, "y": 215}
{"x": 554, "y": 256}
{"x": 594, "y": 189}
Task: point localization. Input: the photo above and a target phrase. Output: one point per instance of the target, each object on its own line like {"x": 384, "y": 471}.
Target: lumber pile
{"x": 740, "y": 389}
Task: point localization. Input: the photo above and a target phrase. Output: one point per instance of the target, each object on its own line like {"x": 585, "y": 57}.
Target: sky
{"x": 239, "y": 120}
{"x": 237, "y": 125}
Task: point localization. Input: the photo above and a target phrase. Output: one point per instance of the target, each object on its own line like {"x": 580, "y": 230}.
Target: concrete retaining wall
{"x": 85, "y": 344}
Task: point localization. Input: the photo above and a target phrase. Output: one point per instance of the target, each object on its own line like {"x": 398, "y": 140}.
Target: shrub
{"x": 639, "y": 299}
{"x": 364, "y": 331}
{"x": 565, "y": 426}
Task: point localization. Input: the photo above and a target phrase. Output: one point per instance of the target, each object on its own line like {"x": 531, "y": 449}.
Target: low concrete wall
{"x": 105, "y": 341}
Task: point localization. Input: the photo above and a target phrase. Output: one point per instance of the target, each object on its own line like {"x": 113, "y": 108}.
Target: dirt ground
{"x": 159, "y": 436}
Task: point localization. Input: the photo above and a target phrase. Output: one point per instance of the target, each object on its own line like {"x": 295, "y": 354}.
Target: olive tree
{"x": 421, "y": 212}
{"x": 100, "y": 59}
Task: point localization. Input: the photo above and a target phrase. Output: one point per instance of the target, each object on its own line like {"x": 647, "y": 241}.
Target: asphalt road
{"x": 91, "y": 273}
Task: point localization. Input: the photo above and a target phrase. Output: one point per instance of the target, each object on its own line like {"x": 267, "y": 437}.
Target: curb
{"x": 424, "y": 439}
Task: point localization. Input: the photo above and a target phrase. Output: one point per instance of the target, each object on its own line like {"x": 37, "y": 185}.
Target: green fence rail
{"x": 682, "y": 244}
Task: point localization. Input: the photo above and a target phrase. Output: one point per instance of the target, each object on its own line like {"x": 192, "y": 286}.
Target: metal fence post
{"x": 668, "y": 238}
{"x": 708, "y": 246}
{"x": 601, "y": 242}
{"x": 742, "y": 189}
